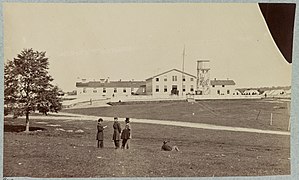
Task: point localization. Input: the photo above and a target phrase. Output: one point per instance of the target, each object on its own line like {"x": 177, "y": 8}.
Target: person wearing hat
{"x": 100, "y": 133}
{"x": 116, "y": 133}
{"x": 126, "y": 134}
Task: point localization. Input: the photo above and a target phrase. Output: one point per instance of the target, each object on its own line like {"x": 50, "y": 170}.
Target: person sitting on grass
{"x": 166, "y": 147}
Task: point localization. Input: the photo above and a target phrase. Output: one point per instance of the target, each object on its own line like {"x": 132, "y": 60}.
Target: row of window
{"x": 165, "y": 88}
{"x": 104, "y": 90}
{"x": 218, "y": 92}
{"x": 221, "y": 85}
{"x": 174, "y": 78}
{"x": 227, "y": 92}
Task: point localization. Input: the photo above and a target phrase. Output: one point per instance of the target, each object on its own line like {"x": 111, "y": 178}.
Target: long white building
{"x": 107, "y": 89}
{"x": 171, "y": 83}
{"x": 223, "y": 87}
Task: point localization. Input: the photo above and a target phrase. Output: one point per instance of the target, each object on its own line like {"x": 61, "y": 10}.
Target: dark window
{"x": 174, "y": 78}
{"x": 84, "y": 90}
{"x": 157, "y": 79}
{"x": 115, "y": 90}
{"x": 213, "y": 85}
{"x": 218, "y": 91}
{"x": 165, "y": 88}
{"x": 94, "y": 91}
{"x": 223, "y": 86}
{"x": 184, "y": 79}
{"x": 228, "y": 92}
{"x": 124, "y": 90}
{"x": 104, "y": 90}
{"x": 191, "y": 79}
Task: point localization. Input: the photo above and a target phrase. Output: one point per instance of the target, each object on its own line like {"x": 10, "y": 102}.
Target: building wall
{"x": 105, "y": 92}
{"x": 152, "y": 85}
{"x": 251, "y": 92}
{"x": 158, "y": 86}
{"x": 226, "y": 90}
{"x": 141, "y": 90}
{"x": 163, "y": 84}
{"x": 148, "y": 84}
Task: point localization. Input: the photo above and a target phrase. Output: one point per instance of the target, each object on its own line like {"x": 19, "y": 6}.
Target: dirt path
{"x": 69, "y": 116}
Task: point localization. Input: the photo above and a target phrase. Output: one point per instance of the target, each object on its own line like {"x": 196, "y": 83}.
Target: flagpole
{"x": 183, "y": 68}
{"x": 183, "y": 59}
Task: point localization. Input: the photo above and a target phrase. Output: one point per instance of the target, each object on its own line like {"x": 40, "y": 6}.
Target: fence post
{"x": 271, "y": 119}
{"x": 258, "y": 115}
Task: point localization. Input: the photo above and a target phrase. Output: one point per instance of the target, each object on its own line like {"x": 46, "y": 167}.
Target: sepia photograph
{"x": 121, "y": 90}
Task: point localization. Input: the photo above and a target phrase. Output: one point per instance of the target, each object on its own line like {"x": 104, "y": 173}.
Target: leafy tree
{"x": 27, "y": 85}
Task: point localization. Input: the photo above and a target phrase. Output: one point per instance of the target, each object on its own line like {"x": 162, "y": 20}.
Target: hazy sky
{"x": 137, "y": 41}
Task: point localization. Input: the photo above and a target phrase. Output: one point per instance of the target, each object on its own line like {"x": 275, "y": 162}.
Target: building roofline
{"x": 218, "y": 82}
{"x": 94, "y": 84}
{"x": 203, "y": 60}
{"x": 170, "y": 71}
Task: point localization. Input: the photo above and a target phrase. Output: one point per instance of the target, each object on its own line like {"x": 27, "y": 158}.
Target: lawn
{"x": 49, "y": 152}
{"x": 240, "y": 113}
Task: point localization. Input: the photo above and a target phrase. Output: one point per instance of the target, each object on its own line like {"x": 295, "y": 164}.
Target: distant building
{"x": 223, "y": 87}
{"x": 106, "y": 88}
{"x": 172, "y": 82}
{"x": 251, "y": 92}
{"x": 72, "y": 93}
{"x": 169, "y": 83}
{"x": 277, "y": 93}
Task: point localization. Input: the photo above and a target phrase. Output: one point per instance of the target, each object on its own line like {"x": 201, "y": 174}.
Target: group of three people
{"x": 118, "y": 134}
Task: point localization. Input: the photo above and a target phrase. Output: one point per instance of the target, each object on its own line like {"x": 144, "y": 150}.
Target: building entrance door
{"x": 175, "y": 90}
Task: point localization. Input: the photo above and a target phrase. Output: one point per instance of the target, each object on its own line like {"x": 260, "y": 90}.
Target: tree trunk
{"x": 27, "y": 122}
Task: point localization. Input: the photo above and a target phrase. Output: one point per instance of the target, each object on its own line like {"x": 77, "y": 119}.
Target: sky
{"x": 137, "y": 41}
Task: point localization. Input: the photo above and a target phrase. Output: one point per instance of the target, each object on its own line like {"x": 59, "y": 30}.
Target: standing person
{"x": 116, "y": 132}
{"x": 126, "y": 134}
{"x": 100, "y": 133}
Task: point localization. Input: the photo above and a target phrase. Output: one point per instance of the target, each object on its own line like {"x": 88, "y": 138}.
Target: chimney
{"x": 102, "y": 80}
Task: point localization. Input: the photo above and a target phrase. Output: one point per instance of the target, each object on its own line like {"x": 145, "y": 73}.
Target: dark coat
{"x": 100, "y": 134}
{"x": 166, "y": 147}
{"x": 117, "y": 131}
{"x": 126, "y": 133}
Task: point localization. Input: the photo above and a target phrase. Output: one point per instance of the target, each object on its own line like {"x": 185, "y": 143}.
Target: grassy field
{"x": 50, "y": 152}
{"x": 241, "y": 113}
